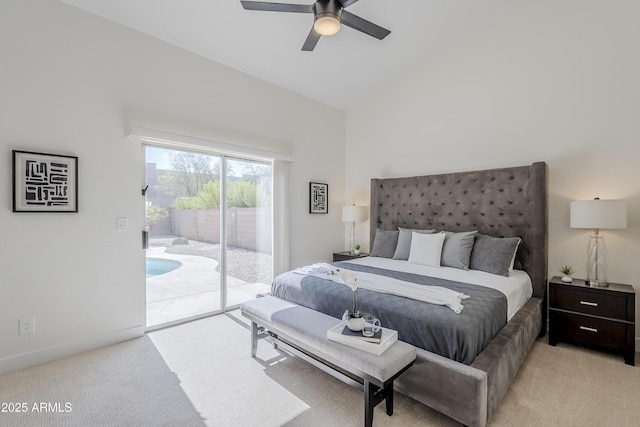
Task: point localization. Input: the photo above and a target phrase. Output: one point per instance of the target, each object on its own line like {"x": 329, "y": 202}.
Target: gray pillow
{"x": 404, "y": 242}
{"x": 456, "y": 250}
{"x": 384, "y": 244}
{"x": 492, "y": 254}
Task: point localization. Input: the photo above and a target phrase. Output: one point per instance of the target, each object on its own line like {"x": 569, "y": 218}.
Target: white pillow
{"x": 513, "y": 260}
{"x": 426, "y": 249}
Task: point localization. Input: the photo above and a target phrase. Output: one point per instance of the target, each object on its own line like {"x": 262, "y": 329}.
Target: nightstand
{"x": 602, "y": 318}
{"x": 345, "y": 256}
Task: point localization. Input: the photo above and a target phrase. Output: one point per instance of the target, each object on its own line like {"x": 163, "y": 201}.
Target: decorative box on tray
{"x": 388, "y": 337}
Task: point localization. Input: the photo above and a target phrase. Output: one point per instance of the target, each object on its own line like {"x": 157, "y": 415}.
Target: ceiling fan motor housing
{"x": 327, "y": 16}
{"x": 322, "y": 7}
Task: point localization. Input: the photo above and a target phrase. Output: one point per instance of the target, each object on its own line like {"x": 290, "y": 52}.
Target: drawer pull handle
{"x": 584, "y": 328}
{"x": 592, "y": 304}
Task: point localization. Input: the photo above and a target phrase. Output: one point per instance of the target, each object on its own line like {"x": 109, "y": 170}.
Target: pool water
{"x": 158, "y": 266}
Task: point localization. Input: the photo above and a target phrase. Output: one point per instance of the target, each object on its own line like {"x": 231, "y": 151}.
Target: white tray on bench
{"x": 389, "y": 336}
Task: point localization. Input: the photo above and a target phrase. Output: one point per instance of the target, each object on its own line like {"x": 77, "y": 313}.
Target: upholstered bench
{"x": 303, "y": 332}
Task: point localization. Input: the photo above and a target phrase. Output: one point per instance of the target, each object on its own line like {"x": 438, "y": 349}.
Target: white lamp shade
{"x": 605, "y": 214}
{"x": 353, "y": 213}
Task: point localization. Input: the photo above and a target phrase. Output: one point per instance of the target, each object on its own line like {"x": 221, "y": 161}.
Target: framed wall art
{"x": 318, "y": 198}
{"x": 44, "y": 182}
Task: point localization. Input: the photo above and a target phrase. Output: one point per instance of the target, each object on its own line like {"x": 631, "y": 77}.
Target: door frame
{"x": 224, "y": 157}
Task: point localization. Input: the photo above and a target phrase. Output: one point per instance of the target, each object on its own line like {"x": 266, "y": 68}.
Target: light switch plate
{"x": 121, "y": 224}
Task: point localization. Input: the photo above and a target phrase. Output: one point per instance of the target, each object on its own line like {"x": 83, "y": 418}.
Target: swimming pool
{"x": 158, "y": 266}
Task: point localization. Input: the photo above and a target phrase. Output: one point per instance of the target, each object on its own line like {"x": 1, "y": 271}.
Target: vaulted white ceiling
{"x": 341, "y": 71}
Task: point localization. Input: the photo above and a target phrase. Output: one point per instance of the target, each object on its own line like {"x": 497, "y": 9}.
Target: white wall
{"x": 70, "y": 83}
{"x": 554, "y": 81}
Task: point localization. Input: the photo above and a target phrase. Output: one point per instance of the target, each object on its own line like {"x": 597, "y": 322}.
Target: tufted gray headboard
{"x": 504, "y": 202}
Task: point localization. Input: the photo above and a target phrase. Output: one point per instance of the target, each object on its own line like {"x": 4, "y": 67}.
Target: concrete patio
{"x": 192, "y": 289}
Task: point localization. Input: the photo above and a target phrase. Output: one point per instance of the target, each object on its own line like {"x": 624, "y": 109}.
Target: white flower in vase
{"x": 355, "y": 321}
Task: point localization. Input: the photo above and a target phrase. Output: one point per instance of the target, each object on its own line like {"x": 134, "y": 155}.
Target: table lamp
{"x": 353, "y": 214}
{"x": 598, "y": 214}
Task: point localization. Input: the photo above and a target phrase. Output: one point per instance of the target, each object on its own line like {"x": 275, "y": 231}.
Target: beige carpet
{"x": 129, "y": 385}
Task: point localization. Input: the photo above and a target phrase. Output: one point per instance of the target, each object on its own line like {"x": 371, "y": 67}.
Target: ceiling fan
{"x": 328, "y": 15}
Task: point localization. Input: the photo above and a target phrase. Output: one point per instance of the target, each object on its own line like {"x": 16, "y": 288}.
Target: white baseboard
{"x": 26, "y": 360}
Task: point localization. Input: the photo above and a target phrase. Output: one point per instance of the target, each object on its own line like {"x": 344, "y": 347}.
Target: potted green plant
{"x": 567, "y": 271}
{"x": 357, "y": 250}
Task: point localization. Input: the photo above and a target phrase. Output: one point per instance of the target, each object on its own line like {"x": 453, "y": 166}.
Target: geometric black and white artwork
{"x": 318, "y": 198}
{"x": 44, "y": 182}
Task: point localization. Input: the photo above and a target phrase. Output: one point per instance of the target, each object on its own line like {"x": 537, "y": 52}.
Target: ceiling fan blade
{"x": 311, "y": 41}
{"x": 360, "y": 24}
{"x": 277, "y": 7}
{"x": 347, "y": 3}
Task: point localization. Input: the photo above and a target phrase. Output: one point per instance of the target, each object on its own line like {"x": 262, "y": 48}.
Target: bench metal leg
{"x": 254, "y": 338}
{"x": 257, "y": 333}
{"x": 373, "y": 395}
{"x": 389, "y": 398}
{"x": 369, "y": 403}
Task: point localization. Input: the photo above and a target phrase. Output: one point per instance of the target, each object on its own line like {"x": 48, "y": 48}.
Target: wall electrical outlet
{"x": 27, "y": 325}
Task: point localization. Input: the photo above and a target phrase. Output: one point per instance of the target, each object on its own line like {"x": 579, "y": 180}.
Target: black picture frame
{"x": 44, "y": 182}
{"x": 318, "y": 198}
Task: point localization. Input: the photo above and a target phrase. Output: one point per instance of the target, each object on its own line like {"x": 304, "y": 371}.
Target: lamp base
{"x": 597, "y": 262}
{"x": 353, "y": 239}
{"x": 597, "y": 284}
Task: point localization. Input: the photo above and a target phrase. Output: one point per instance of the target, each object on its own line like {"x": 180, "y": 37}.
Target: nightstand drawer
{"x": 589, "y": 302}
{"x": 587, "y": 330}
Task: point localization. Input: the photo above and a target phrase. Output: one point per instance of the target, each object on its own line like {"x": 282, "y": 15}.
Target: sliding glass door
{"x": 248, "y": 224}
{"x": 208, "y": 219}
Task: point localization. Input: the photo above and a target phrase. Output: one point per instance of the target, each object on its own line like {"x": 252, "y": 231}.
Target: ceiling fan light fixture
{"x": 328, "y": 16}
{"x": 326, "y": 24}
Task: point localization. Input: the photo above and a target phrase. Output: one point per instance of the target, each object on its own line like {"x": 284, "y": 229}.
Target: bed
{"x": 464, "y": 381}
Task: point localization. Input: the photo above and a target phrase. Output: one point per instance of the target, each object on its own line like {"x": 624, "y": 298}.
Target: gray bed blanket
{"x": 460, "y": 337}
